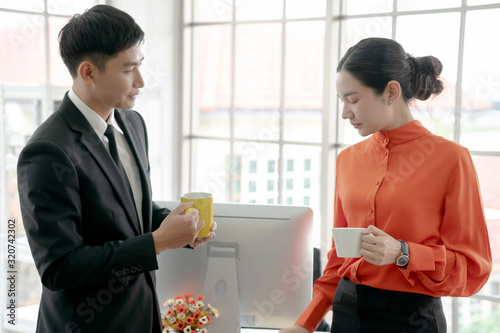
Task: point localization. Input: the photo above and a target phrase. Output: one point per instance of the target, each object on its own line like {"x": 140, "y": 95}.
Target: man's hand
{"x": 294, "y": 329}
{"x": 379, "y": 248}
{"x": 200, "y": 241}
{"x": 178, "y": 230}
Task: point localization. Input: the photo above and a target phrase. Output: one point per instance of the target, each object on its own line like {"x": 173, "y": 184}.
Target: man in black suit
{"x": 85, "y": 190}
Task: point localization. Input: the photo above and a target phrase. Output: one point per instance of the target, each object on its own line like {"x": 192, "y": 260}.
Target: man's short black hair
{"x": 97, "y": 35}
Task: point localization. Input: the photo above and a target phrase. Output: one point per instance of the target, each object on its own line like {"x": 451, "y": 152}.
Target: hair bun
{"x": 425, "y": 76}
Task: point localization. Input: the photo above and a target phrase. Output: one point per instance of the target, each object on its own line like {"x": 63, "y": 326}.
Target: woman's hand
{"x": 379, "y": 248}
{"x": 294, "y": 329}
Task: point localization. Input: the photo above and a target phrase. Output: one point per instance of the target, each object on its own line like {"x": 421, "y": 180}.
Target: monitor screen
{"x": 260, "y": 266}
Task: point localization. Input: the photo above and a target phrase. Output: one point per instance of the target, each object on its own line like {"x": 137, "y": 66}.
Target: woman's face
{"x": 367, "y": 112}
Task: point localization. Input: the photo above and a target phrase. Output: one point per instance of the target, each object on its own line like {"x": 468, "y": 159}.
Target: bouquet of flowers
{"x": 186, "y": 314}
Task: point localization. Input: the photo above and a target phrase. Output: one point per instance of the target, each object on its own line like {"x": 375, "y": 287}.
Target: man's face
{"x": 120, "y": 83}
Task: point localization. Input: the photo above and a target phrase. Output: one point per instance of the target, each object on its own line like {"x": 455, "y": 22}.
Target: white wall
{"x": 160, "y": 100}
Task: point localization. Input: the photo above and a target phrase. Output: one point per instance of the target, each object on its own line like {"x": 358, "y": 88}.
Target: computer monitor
{"x": 258, "y": 271}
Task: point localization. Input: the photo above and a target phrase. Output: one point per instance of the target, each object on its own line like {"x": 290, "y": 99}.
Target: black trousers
{"x": 362, "y": 309}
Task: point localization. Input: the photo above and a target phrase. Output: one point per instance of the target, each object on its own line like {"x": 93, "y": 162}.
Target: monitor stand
{"x": 221, "y": 286}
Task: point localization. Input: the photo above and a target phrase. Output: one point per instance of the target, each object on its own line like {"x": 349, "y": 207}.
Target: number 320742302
{"x": 11, "y": 247}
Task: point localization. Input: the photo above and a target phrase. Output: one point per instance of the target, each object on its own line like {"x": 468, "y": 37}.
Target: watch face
{"x": 403, "y": 260}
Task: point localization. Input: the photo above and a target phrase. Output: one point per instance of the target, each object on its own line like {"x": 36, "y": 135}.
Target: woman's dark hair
{"x": 376, "y": 61}
{"x": 97, "y": 35}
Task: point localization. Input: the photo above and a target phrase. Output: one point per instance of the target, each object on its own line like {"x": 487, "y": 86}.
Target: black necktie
{"x": 113, "y": 151}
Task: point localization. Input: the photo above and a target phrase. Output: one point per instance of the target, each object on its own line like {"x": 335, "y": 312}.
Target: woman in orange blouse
{"x": 416, "y": 194}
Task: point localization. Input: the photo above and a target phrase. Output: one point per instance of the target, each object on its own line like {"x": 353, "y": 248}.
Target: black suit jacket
{"x": 97, "y": 270}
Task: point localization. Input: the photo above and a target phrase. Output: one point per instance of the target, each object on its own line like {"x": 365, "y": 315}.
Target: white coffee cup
{"x": 347, "y": 242}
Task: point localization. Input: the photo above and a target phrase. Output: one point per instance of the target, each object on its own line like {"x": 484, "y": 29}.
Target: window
{"x": 270, "y": 185}
{"x": 271, "y": 166}
{"x": 289, "y": 184}
{"x": 289, "y": 201}
{"x": 252, "y": 186}
{"x": 307, "y": 183}
{"x": 237, "y": 186}
{"x": 240, "y": 96}
{"x": 234, "y": 165}
{"x": 307, "y": 164}
{"x": 306, "y": 201}
{"x": 252, "y": 167}
{"x": 22, "y": 116}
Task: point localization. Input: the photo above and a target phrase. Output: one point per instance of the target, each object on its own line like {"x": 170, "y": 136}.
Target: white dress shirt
{"x": 124, "y": 152}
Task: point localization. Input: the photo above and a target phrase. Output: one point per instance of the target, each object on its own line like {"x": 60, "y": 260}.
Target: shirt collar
{"x": 405, "y": 133}
{"x": 97, "y": 123}
{"x": 112, "y": 122}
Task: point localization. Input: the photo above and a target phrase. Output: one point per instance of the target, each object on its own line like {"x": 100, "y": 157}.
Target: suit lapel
{"x": 106, "y": 162}
{"x": 93, "y": 143}
{"x": 141, "y": 159}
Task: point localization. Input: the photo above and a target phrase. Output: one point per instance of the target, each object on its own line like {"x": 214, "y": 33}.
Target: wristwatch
{"x": 404, "y": 258}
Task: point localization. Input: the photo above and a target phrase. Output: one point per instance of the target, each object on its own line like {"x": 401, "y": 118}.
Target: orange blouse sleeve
{"x": 461, "y": 264}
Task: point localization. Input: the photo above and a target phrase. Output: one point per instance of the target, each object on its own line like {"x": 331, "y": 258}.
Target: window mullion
{"x": 460, "y": 64}
{"x": 231, "y": 107}
{"x": 281, "y": 109}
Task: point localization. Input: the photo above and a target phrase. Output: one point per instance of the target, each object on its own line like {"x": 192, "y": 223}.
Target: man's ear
{"x": 393, "y": 90}
{"x": 86, "y": 72}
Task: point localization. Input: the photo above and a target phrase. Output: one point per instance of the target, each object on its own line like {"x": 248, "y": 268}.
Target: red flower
{"x": 180, "y": 325}
{"x": 201, "y": 298}
{"x": 189, "y": 320}
{"x": 177, "y": 297}
{"x": 169, "y": 312}
{"x": 181, "y": 309}
{"x": 197, "y": 315}
{"x": 208, "y": 318}
{"x": 187, "y": 296}
{"x": 192, "y": 301}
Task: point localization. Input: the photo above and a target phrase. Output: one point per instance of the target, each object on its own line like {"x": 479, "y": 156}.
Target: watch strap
{"x": 404, "y": 247}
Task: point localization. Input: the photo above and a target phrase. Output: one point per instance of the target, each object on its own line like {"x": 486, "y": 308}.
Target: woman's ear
{"x": 393, "y": 90}
{"x": 86, "y": 72}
